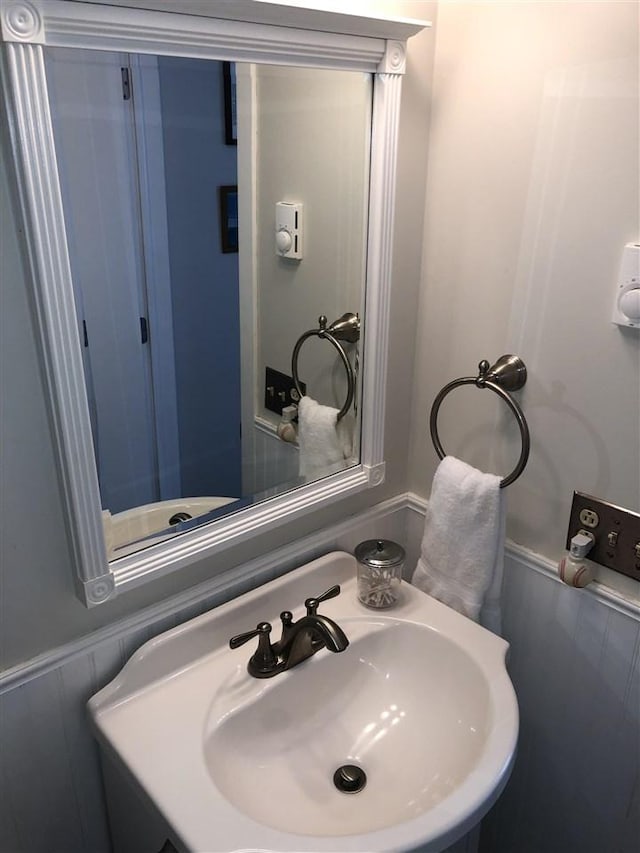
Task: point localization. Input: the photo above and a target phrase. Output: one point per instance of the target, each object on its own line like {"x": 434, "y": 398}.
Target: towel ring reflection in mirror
{"x": 345, "y": 328}
{"x": 509, "y": 373}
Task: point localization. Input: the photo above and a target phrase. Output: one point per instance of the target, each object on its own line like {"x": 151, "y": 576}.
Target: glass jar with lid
{"x": 380, "y": 565}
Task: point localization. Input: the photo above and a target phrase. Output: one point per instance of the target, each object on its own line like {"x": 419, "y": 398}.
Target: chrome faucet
{"x": 299, "y": 641}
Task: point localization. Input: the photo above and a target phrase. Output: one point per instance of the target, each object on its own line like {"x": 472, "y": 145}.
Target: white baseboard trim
{"x": 225, "y": 585}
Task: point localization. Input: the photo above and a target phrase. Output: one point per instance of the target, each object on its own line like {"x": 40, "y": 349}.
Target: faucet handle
{"x": 263, "y": 663}
{"x": 312, "y": 603}
{"x": 262, "y": 628}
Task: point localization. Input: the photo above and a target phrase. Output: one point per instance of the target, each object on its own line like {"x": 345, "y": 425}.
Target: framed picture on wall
{"x": 230, "y": 115}
{"x": 228, "y": 203}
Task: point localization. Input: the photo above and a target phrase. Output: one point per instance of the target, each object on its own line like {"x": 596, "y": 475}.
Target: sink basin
{"x": 420, "y": 701}
{"x": 403, "y": 703}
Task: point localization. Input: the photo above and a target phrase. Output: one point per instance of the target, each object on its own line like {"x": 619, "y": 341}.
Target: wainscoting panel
{"x": 274, "y": 462}
{"x": 574, "y": 662}
{"x": 51, "y": 787}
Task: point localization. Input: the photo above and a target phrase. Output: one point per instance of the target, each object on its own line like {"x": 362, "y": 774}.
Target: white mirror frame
{"x": 310, "y": 38}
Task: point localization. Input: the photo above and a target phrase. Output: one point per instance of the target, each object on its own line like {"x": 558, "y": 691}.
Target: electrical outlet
{"x": 279, "y": 391}
{"x": 589, "y": 518}
{"x": 616, "y": 531}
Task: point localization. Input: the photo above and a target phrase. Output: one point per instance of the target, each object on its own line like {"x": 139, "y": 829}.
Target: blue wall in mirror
{"x": 204, "y": 280}
{"x": 162, "y": 366}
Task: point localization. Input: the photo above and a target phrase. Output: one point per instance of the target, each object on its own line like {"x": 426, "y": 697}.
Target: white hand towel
{"x": 461, "y": 557}
{"x": 323, "y": 446}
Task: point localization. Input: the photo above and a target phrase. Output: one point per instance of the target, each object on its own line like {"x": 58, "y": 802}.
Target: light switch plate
{"x": 279, "y": 391}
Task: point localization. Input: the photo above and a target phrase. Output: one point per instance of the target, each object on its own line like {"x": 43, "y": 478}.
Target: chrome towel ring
{"x": 345, "y": 328}
{"x": 509, "y": 373}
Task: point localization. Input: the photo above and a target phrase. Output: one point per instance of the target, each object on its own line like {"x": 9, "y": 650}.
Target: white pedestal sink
{"x": 420, "y": 701}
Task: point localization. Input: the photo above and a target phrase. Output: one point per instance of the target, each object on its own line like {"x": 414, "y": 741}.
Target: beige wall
{"x": 532, "y": 193}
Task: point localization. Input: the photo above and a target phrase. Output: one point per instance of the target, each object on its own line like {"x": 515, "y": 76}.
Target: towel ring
{"x": 509, "y": 373}
{"x": 345, "y": 328}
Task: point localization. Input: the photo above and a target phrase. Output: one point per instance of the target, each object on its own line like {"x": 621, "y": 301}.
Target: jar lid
{"x": 380, "y": 553}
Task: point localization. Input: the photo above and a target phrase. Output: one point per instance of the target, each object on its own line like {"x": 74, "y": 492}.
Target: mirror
{"x": 276, "y": 289}
{"x": 174, "y": 172}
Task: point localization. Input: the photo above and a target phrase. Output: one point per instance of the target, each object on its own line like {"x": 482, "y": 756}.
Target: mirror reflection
{"x": 214, "y": 212}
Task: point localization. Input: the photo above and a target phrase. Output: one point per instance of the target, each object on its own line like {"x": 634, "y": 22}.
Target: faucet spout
{"x": 307, "y": 636}
{"x": 331, "y": 634}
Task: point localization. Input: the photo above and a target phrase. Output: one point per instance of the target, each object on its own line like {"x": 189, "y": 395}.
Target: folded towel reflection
{"x": 461, "y": 556}
{"x": 325, "y": 443}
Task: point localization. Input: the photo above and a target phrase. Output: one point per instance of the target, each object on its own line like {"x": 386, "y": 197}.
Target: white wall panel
{"x": 274, "y": 462}
{"x": 574, "y": 662}
{"x": 54, "y": 792}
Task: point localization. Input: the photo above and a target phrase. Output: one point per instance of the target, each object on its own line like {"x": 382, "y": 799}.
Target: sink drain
{"x": 349, "y": 778}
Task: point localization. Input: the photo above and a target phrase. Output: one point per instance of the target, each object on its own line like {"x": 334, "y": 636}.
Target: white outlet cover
{"x": 626, "y": 306}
